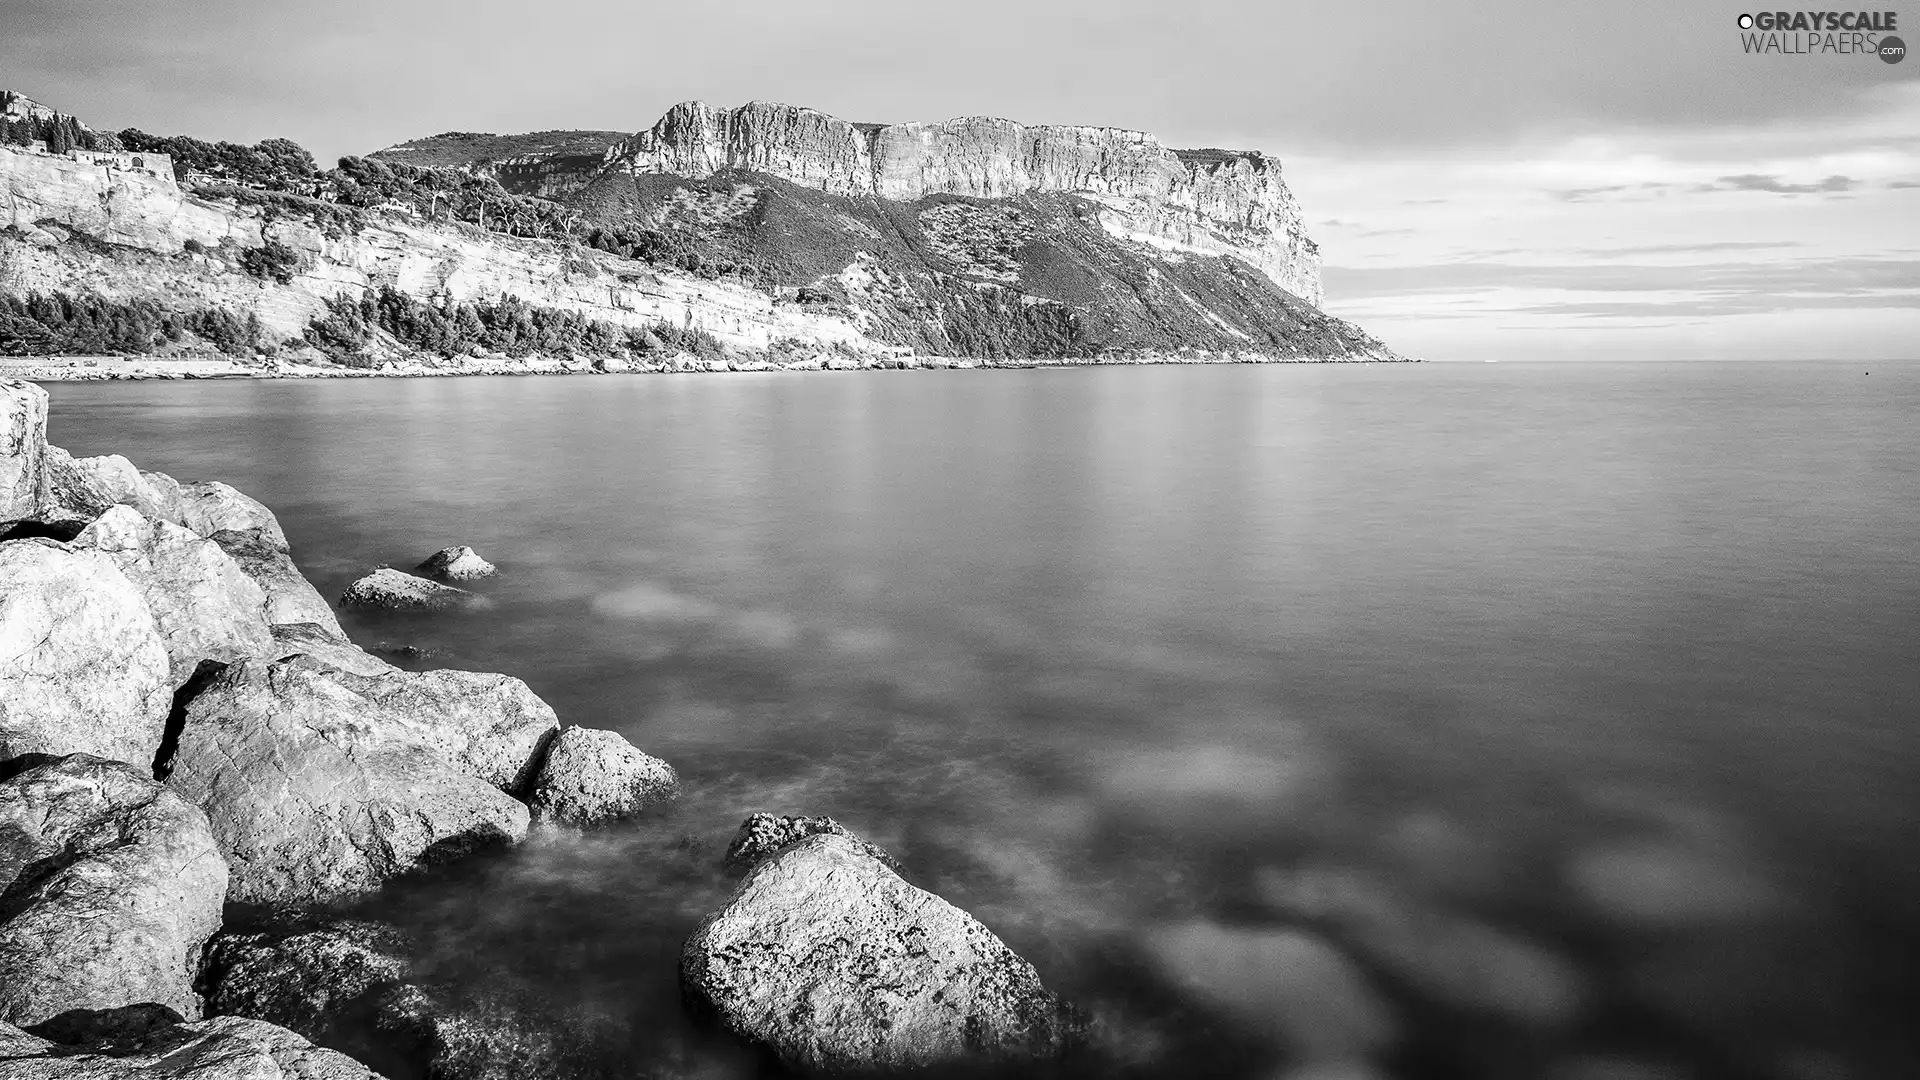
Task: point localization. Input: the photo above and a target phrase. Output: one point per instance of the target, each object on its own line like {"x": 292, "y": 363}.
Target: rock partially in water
{"x": 211, "y": 507}
{"x": 1282, "y": 984}
{"x": 1441, "y": 954}
{"x": 319, "y": 790}
{"x": 348, "y": 983}
{"x": 83, "y": 669}
{"x": 291, "y": 598}
{"x": 591, "y": 777}
{"x": 387, "y": 589}
{"x": 457, "y": 564}
{"x": 112, "y": 884}
{"x": 834, "y": 963}
{"x": 204, "y": 604}
{"x": 763, "y": 836}
{"x": 23, "y": 448}
{"x": 224, "y": 1048}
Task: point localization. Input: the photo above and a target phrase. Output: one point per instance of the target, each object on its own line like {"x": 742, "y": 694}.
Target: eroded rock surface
{"x": 205, "y": 605}
{"x": 457, "y": 564}
{"x": 387, "y": 589}
{"x": 83, "y": 668}
{"x": 763, "y": 836}
{"x": 590, "y": 777}
{"x": 291, "y": 598}
{"x": 23, "y": 445}
{"x": 223, "y": 1048}
{"x": 318, "y": 791}
{"x": 312, "y": 639}
{"x": 111, "y": 885}
{"x": 833, "y": 962}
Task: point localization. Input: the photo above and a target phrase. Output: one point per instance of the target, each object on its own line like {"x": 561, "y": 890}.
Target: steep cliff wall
{"x": 148, "y": 220}
{"x": 1205, "y": 202}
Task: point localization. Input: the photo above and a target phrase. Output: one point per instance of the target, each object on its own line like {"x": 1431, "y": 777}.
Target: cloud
{"x": 1762, "y": 182}
{"x": 1688, "y": 249}
{"x": 1787, "y": 282}
{"x": 1905, "y": 184}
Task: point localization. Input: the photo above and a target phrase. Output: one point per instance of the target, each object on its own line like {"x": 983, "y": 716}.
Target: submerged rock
{"x": 83, "y": 669}
{"x": 23, "y": 447}
{"x": 591, "y": 777}
{"x": 317, "y": 790}
{"x": 291, "y": 598}
{"x": 204, "y": 604}
{"x": 763, "y": 836}
{"x": 1442, "y": 954}
{"x": 224, "y": 1048}
{"x": 211, "y": 507}
{"x": 387, "y": 589}
{"x": 1279, "y": 983}
{"x": 112, "y": 885}
{"x": 457, "y": 564}
{"x": 834, "y": 963}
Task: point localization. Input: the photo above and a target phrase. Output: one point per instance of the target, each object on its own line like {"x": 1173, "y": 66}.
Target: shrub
{"x": 272, "y": 259}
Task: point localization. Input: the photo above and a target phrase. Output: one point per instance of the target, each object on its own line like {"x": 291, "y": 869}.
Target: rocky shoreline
{"x": 197, "y": 766}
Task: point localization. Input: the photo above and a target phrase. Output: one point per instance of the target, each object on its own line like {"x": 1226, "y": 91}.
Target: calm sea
{"x": 1613, "y": 668}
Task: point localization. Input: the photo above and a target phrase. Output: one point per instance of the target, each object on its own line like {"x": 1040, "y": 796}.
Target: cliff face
{"x": 1204, "y": 202}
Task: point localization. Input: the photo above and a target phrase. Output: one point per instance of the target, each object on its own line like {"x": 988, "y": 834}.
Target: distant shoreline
{"x": 122, "y": 368}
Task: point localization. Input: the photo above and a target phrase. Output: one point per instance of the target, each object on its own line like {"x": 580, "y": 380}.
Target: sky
{"x": 1507, "y": 179}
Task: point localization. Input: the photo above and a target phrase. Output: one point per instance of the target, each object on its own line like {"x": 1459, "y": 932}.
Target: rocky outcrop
{"x": 387, "y": 589}
{"x": 23, "y": 444}
{"x": 291, "y": 598}
{"x": 317, "y": 790}
{"x": 83, "y": 668}
{"x": 324, "y": 645}
{"x": 211, "y": 507}
{"x": 832, "y": 962}
{"x": 456, "y": 564}
{"x": 591, "y": 777}
{"x": 112, "y": 884}
{"x": 763, "y": 836}
{"x": 1211, "y": 202}
{"x": 205, "y": 605}
{"x": 224, "y": 1048}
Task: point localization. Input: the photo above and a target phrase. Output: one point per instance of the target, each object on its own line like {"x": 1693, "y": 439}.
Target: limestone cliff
{"x": 1209, "y": 202}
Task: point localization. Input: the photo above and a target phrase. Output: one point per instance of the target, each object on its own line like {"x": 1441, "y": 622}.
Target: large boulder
{"x": 321, "y": 784}
{"x": 291, "y": 598}
{"x": 763, "y": 836}
{"x": 834, "y": 963}
{"x": 23, "y": 447}
{"x": 205, "y": 605}
{"x": 387, "y": 589}
{"x": 74, "y": 491}
{"x": 456, "y": 564}
{"x": 223, "y": 1048}
{"x": 210, "y": 507}
{"x": 112, "y": 885}
{"x": 590, "y": 777}
{"x": 83, "y": 669}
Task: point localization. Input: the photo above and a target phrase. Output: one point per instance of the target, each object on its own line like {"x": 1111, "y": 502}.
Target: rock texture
{"x": 763, "y": 836}
{"x": 223, "y": 1048}
{"x": 321, "y": 643}
{"x": 23, "y": 444}
{"x": 387, "y": 589}
{"x": 291, "y": 598}
{"x": 210, "y": 507}
{"x": 83, "y": 668}
{"x": 1210, "y": 202}
{"x": 456, "y": 564}
{"x": 591, "y": 777}
{"x": 319, "y": 788}
{"x": 834, "y": 963}
{"x": 205, "y": 605}
{"x": 112, "y": 884}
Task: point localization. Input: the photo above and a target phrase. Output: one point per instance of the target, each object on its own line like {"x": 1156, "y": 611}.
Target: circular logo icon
{"x": 1746, "y": 22}
{"x": 1892, "y": 50}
